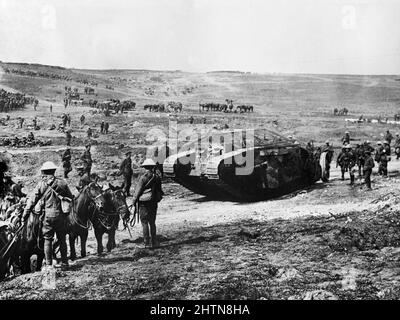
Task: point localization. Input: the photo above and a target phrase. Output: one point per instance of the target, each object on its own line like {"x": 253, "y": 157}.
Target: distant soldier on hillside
{"x": 102, "y": 127}
{"x": 106, "y": 126}
{"x": 82, "y": 119}
{"x": 87, "y": 159}
{"x": 346, "y": 138}
{"x": 89, "y": 133}
{"x": 51, "y": 108}
{"x": 21, "y": 122}
{"x": 388, "y": 137}
{"x": 66, "y": 160}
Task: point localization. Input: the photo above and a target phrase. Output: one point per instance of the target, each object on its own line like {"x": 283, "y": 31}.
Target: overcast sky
{"x": 296, "y": 36}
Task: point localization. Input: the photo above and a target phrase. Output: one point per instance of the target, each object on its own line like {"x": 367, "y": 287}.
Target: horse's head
{"x": 95, "y": 192}
{"x": 119, "y": 203}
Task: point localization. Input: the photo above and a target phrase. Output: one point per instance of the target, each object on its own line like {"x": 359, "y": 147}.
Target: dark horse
{"x": 85, "y": 205}
{"x": 31, "y": 243}
{"x": 106, "y": 220}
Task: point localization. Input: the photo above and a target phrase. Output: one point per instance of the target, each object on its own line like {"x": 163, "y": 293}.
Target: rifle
{"x": 7, "y": 248}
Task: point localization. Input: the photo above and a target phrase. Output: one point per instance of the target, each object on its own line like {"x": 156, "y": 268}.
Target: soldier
{"x": 360, "y": 156}
{"x": 191, "y": 120}
{"x": 66, "y": 160}
{"x": 68, "y": 137}
{"x": 397, "y": 146}
{"x": 106, "y": 126}
{"x": 21, "y": 122}
{"x": 68, "y": 120}
{"x": 30, "y": 137}
{"x": 84, "y": 179}
{"x": 388, "y": 137}
{"x": 51, "y": 108}
{"x": 16, "y": 191}
{"x": 378, "y": 151}
{"x": 383, "y": 162}
{"x": 386, "y": 147}
{"x": 126, "y": 170}
{"x": 347, "y": 160}
{"x": 87, "y": 159}
{"x": 82, "y": 119}
{"x": 146, "y": 196}
{"x": 346, "y": 138}
{"x": 368, "y": 165}
{"x": 204, "y": 120}
{"x": 102, "y": 127}
{"x": 34, "y": 123}
{"x": 89, "y": 133}
{"x": 47, "y": 198}
{"x": 329, "y": 156}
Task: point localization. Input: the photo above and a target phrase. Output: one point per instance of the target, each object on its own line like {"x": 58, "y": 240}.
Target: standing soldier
{"x": 47, "y": 198}
{"x": 66, "y": 160}
{"x": 106, "y": 126}
{"x": 102, "y": 127}
{"x": 397, "y": 146}
{"x": 368, "y": 165}
{"x": 191, "y": 120}
{"x": 378, "y": 151}
{"x": 347, "y": 160}
{"x": 89, "y": 133}
{"x": 386, "y": 147}
{"x": 126, "y": 170}
{"x": 383, "y": 162}
{"x": 51, "y": 108}
{"x": 21, "y": 122}
{"x": 388, "y": 137}
{"x": 360, "y": 156}
{"x": 82, "y": 119}
{"x": 146, "y": 196}
{"x": 68, "y": 137}
{"x": 346, "y": 138}
{"x": 87, "y": 159}
{"x": 34, "y": 123}
{"x": 68, "y": 120}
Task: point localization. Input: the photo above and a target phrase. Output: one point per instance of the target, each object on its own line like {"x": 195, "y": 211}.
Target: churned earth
{"x": 330, "y": 241}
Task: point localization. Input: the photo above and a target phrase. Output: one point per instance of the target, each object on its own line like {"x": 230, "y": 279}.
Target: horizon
{"x": 200, "y": 72}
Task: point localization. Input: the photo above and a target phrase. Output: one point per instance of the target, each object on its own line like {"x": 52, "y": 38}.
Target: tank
{"x": 271, "y": 166}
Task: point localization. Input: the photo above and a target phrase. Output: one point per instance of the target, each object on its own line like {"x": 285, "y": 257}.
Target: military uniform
{"x": 66, "y": 159}
{"x": 68, "y": 137}
{"x": 148, "y": 209}
{"x": 383, "y": 162}
{"x": 55, "y": 221}
{"x": 368, "y": 165}
{"x": 126, "y": 170}
{"x": 346, "y": 139}
{"x": 87, "y": 161}
{"x": 347, "y": 161}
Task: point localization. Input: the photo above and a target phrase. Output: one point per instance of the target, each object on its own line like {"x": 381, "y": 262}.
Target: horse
{"x": 107, "y": 219}
{"x": 85, "y": 205}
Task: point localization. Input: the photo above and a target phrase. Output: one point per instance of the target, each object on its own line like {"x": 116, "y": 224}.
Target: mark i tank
{"x": 251, "y": 167}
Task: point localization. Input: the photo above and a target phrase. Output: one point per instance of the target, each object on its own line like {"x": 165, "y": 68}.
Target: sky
{"x": 287, "y": 36}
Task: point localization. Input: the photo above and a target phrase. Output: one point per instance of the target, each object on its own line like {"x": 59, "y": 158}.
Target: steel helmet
{"x": 347, "y": 146}
{"x": 386, "y": 142}
{"x": 48, "y": 165}
{"x": 379, "y": 142}
{"x": 148, "y": 163}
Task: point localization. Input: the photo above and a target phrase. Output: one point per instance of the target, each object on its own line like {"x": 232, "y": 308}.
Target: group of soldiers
{"x": 361, "y": 157}
{"x": 11, "y": 101}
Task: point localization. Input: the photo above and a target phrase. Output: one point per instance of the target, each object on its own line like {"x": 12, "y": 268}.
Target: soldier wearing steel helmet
{"x": 146, "y": 196}
{"x": 347, "y": 161}
{"x": 46, "y": 198}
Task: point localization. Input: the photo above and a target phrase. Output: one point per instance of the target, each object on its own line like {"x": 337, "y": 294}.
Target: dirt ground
{"x": 331, "y": 241}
